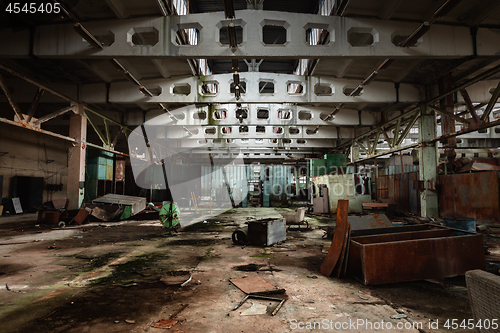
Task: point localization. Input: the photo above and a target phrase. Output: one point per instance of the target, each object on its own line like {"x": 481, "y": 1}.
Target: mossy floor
{"x": 106, "y": 278}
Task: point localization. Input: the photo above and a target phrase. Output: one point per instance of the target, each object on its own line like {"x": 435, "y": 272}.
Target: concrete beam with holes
{"x": 160, "y": 133}
{"x": 255, "y": 115}
{"x": 318, "y": 90}
{"x": 156, "y": 37}
{"x": 250, "y": 144}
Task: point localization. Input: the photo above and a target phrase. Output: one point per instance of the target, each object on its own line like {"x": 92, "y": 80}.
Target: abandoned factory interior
{"x": 253, "y": 166}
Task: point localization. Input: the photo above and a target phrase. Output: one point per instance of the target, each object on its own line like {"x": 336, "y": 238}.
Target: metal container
{"x": 267, "y": 231}
{"x": 411, "y": 256}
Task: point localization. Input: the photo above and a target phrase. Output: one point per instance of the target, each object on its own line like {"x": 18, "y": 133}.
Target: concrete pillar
{"x": 354, "y": 153}
{"x": 296, "y": 172}
{"x": 428, "y": 163}
{"x": 76, "y": 165}
{"x": 448, "y": 124}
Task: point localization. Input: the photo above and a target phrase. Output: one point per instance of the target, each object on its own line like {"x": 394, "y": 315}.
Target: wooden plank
{"x": 338, "y": 239}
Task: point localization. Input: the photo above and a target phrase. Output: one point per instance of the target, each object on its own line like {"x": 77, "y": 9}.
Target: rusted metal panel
{"x": 391, "y": 230}
{"x": 414, "y": 256}
{"x": 339, "y": 236}
{"x": 382, "y": 190}
{"x": 390, "y": 188}
{"x": 120, "y": 170}
{"x": 369, "y": 221}
{"x": 253, "y": 284}
{"x": 413, "y": 195}
{"x": 404, "y": 193}
{"x": 397, "y": 194}
{"x": 399, "y": 189}
{"x": 472, "y": 195}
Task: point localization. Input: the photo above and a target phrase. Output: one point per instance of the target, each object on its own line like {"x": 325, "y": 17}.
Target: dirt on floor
{"x": 110, "y": 277}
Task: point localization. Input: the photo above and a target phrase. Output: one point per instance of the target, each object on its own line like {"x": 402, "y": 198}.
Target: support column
{"x": 428, "y": 163}
{"x": 76, "y": 164}
{"x": 296, "y": 174}
{"x": 354, "y": 153}
{"x": 447, "y": 123}
{"x": 308, "y": 181}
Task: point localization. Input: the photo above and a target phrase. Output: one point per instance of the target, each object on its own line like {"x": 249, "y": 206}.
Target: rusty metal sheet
{"x": 399, "y": 189}
{"x": 382, "y": 188}
{"x": 391, "y": 230}
{"x": 375, "y": 204}
{"x": 337, "y": 271}
{"x": 369, "y": 221}
{"x": 413, "y": 195}
{"x": 472, "y": 195}
{"x": 120, "y": 170}
{"x": 390, "y": 188}
{"x": 426, "y": 255}
{"x": 335, "y": 250}
{"x": 253, "y": 284}
{"x": 165, "y": 323}
{"x": 82, "y": 215}
{"x": 478, "y": 166}
{"x": 404, "y": 201}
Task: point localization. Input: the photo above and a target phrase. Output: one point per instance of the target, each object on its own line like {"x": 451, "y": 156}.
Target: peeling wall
{"x": 32, "y": 154}
{"x": 341, "y": 187}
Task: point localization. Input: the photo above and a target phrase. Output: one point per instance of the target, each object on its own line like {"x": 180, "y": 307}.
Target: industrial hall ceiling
{"x": 278, "y": 79}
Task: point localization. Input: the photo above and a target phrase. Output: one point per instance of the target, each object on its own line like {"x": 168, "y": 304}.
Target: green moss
{"x": 262, "y": 255}
{"x": 143, "y": 265}
{"x": 208, "y": 253}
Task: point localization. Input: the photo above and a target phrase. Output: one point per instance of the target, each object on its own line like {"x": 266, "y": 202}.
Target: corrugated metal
{"x": 472, "y": 195}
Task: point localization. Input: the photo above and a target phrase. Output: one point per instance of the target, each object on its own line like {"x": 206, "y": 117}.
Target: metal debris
{"x": 165, "y": 323}
{"x": 253, "y": 284}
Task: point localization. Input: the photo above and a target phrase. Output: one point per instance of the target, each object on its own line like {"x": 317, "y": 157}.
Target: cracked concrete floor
{"x": 105, "y": 278}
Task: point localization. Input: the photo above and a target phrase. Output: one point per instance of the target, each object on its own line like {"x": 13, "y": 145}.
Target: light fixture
{"x": 129, "y": 76}
{"x": 370, "y": 78}
{"x": 445, "y": 9}
{"x": 145, "y": 91}
{"x": 80, "y": 29}
{"x": 228, "y": 8}
{"x": 236, "y": 79}
{"x": 237, "y": 92}
{"x": 164, "y": 7}
{"x": 341, "y": 8}
{"x": 118, "y": 65}
{"x": 385, "y": 64}
{"x": 231, "y": 34}
{"x": 235, "y": 64}
{"x": 415, "y": 36}
{"x": 356, "y": 91}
